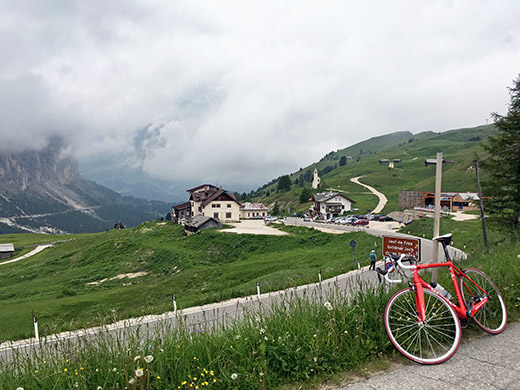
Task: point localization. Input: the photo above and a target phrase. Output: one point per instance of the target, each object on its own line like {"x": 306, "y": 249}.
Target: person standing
{"x": 373, "y": 259}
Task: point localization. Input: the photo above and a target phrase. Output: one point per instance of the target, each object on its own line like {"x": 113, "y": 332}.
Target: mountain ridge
{"x": 43, "y": 192}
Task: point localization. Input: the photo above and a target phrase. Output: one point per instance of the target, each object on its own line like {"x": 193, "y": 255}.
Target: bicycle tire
{"x": 493, "y": 316}
{"x": 433, "y": 342}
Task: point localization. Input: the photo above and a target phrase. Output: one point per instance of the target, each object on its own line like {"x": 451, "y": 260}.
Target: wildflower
{"x": 261, "y": 374}
{"x": 65, "y": 370}
{"x": 137, "y": 358}
{"x": 131, "y": 381}
{"x": 99, "y": 388}
{"x": 19, "y": 388}
{"x": 328, "y": 305}
{"x": 139, "y": 372}
{"x": 36, "y": 371}
{"x": 262, "y": 330}
{"x": 114, "y": 369}
{"x": 234, "y": 376}
{"x": 158, "y": 377}
{"x": 265, "y": 338}
{"x": 237, "y": 337}
{"x": 148, "y": 359}
{"x": 211, "y": 373}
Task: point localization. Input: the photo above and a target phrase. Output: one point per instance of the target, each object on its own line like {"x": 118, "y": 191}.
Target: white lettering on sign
{"x": 399, "y": 245}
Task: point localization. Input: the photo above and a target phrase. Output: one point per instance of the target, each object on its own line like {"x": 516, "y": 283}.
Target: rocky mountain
{"x": 40, "y": 191}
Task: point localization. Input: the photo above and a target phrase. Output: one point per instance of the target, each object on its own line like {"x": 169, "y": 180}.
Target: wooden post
{"x": 437, "y": 216}
{"x": 484, "y": 234}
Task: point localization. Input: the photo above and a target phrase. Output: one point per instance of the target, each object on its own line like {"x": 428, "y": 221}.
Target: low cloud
{"x": 239, "y": 93}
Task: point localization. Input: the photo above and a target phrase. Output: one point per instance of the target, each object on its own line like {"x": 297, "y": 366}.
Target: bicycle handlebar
{"x": 396, "y": 261}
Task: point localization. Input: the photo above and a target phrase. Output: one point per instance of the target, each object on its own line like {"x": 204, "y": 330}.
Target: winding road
{"x": 382, "y": 198}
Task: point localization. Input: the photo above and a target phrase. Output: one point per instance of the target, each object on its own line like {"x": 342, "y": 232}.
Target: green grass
{"x": 410, "y": 174}
{"x": 56, "y": 285}
{"x": 294, "y": 346}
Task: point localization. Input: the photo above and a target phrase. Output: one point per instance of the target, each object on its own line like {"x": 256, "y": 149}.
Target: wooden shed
{"x": 6, "y": 251}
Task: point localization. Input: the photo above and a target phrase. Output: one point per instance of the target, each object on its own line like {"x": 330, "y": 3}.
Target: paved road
{"x": 491, "y": 362}
{"x": 382, "y": 198}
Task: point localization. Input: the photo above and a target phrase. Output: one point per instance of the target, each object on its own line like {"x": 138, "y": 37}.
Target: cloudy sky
{"x": 243, "y": 91}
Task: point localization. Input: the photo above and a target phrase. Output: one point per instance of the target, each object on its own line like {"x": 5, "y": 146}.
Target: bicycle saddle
{"x": 445, "y": 239}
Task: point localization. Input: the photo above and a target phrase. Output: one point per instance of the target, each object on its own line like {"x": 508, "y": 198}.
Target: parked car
{"x": 351, "y": 220}
{"x": 361, "y": 222}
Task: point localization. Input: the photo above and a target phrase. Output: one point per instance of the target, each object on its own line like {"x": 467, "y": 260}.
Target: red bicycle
{"x": 422, "y": 321}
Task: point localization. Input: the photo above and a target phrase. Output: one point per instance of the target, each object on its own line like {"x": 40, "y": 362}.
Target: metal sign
{"x": 353, "y": 243}
{"x": 399, "y": 245}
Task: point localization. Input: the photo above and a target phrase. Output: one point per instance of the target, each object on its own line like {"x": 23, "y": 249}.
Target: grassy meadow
{"x": 73, "y": 284}
{"x": 461, "y": 146}
{"x": 294, "y": 347}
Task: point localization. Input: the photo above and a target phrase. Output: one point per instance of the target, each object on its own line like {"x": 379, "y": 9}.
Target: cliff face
{"x": 34, "y": 167}
{"x": 42, "y": 192}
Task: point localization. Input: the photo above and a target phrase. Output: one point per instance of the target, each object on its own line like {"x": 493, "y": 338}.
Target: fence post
{"x": 174, "y": 304}
{"x": 36, "y": 334}
{"x": 258, "y": 289}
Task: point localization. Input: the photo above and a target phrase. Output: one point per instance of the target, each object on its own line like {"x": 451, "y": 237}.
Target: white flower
{"x": 131, "y": 381}
{"x": 265, "y": 338}
{"x": 234, "y": 376}
{"x": 114, "y": 369}
{"x": 139, "y": 372}
{"x": 315, "y": 360}
{"x": 99, "y": 388}
{"x": 137, "y": 358}
{"x": 262, "y": 330}
{"x": 237, "y": 337}
{"x": 19, "y": 388}
{"x": 148, "y": 359}
{"x": 328, "y": 305}
{"x": 261, "y": 374}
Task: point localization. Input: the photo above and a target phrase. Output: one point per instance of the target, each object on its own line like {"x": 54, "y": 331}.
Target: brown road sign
{"x": 399, "y": 245}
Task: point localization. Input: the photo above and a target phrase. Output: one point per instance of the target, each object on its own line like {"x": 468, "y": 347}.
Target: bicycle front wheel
{"x": 493, "y": 316}
{"x": 431, "y": 342}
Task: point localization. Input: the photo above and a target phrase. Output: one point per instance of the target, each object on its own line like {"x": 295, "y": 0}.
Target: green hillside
{"x": 74, "y": 284}
{"x": 461, "y": 146}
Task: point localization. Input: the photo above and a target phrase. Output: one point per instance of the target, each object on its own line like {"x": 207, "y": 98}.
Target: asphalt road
{"x": 490, "y": 362}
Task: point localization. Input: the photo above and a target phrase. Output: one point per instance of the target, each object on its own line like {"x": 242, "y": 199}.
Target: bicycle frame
{"x": 419, "y": 285}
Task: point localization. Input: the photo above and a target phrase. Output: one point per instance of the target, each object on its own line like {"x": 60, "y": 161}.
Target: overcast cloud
{"x": 240, "y": 92}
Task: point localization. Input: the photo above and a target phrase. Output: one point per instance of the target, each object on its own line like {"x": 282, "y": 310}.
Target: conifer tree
{"x": 502, "y": 188}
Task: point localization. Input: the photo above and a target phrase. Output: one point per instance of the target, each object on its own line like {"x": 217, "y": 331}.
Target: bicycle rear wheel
{"x": 432, "y": 342}
{"x": 493, "y": 316}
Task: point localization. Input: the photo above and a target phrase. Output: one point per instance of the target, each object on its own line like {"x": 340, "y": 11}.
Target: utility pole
{"x": 484, "y": 234}
{"x": 437, "y": 215}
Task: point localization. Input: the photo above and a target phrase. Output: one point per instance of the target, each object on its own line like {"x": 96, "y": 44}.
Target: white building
{"x": 253, "y": 210}
{"x": 330, "y": 204}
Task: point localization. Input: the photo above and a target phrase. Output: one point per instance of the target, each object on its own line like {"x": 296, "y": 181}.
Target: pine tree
{"x": 502, "y": 188}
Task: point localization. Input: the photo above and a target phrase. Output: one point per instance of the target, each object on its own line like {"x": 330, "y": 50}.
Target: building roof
{"x": 254, "y": 206}
{"x": 210, "y": 186}
{"x": 217, "y": 194}
{"x": 200, "y": 220}
{"x": 183, "y": 206}
{"x": 6, "y": 248}
{"x": 325, "y": 196}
